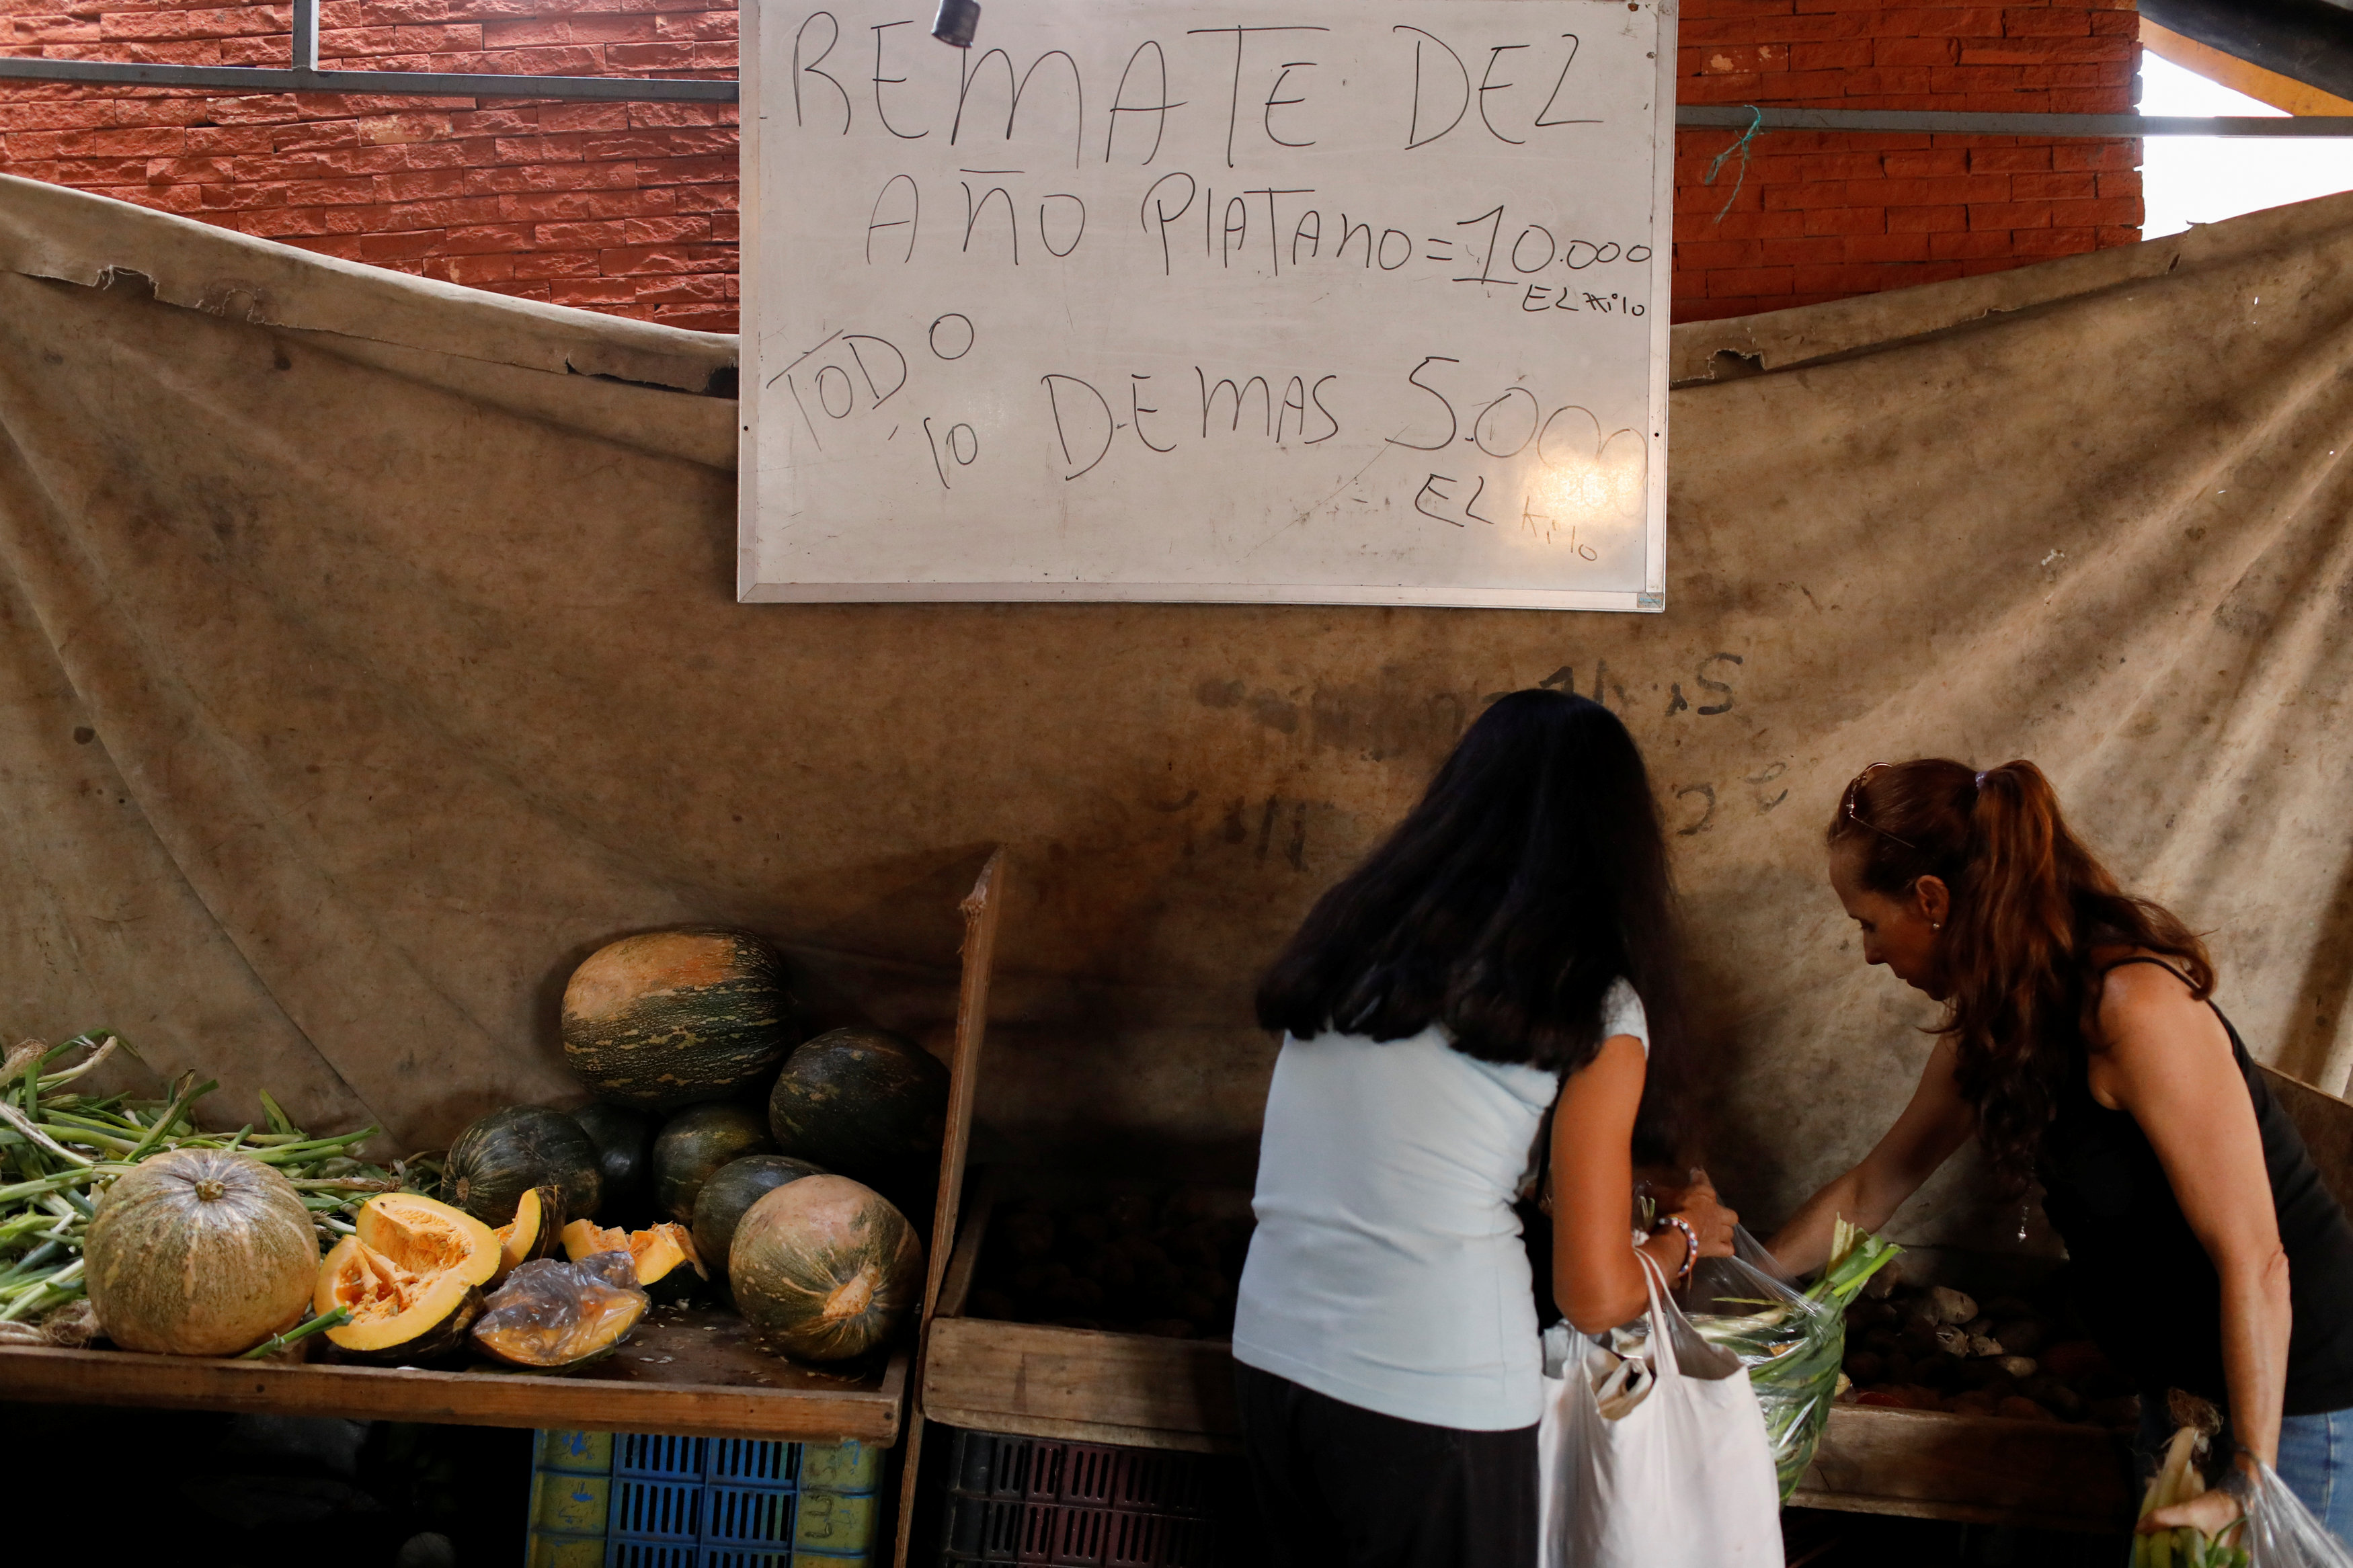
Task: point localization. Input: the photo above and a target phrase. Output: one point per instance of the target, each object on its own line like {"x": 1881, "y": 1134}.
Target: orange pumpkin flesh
{"x": 532, "y": 1231}
{"x": 659, "y": 1252}
{"x": 410, "y": 1279}
{"x": 554, "y": 1316}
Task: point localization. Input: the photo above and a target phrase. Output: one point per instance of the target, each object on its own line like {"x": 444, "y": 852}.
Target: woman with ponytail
{"x": 2080, "y": 1047}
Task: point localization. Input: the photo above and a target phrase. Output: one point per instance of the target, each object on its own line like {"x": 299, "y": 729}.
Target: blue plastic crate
{"x": 710, "y": 1502}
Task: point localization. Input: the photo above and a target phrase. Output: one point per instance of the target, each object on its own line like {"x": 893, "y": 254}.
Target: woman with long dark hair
{"x": 2081, "y": 1047}
{"x": 1509, "y": 951}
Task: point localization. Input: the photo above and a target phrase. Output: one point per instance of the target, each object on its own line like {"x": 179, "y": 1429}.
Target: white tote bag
{"x": 1683, "y": 1478}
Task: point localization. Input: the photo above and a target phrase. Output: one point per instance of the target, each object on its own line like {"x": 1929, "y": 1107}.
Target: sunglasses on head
{"x": 1853, "y": 799}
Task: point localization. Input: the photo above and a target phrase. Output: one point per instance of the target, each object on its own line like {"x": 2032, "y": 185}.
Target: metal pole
{"x": 306, "y": 35}
{"x": 415, "y": 84}
{"x": 1944, "y": 122}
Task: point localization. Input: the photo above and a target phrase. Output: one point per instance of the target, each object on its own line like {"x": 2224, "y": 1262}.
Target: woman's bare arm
{"x": 1936, "y": 1122}
{"x": 2165, "y": 1060}
{"x": 1595, "y": 1277}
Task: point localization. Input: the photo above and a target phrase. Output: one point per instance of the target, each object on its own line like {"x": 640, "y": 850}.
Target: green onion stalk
{"x": 1793, "y": 1346}
{"x": 60, "y": 1149}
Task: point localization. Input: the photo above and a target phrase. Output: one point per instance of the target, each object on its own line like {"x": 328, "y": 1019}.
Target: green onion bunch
{"x": 1794, "y": 1343}
{"x": 60, "y": 1149}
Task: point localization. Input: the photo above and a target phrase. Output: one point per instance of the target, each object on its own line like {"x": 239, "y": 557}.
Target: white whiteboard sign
{"x": 1343, "y": 301}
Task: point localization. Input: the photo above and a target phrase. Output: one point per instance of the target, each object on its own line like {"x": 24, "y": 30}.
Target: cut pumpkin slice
{"x": 661, "y": 1254}
{"x": 553, "y": 1317}
{"x": 532, "y": 1234}
{"x": 411, "y": 1280}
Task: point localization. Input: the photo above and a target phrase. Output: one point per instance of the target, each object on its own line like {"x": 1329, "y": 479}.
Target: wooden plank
{"x": 980, "y": 909}
{"x": 692, "y": 1372}
{"x": 2326, "y": 1124}
{"x": 1086, "y": 1431}
{"x": 1973, "y": 1468}
{"x": 986, "y": 1370}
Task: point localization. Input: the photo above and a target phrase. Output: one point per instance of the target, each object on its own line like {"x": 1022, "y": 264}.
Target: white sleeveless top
{"x": 1388, "y": 1270}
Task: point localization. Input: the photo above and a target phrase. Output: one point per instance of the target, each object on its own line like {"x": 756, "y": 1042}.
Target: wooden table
{"x": 686, "y": 1371}
{"x": 1975, "y": 1470}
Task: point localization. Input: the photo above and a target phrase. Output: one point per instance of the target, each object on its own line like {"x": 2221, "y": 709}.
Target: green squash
{"x": 692, "y": 1146}
{"x": 624, "y": 1140}
{"x": 674, "y": 1018}
{"x": 732, "y": 1190}
{"x": 506, "y": 1154}
{"x": 824, "y": 1268}
{"x": 199, "y": 1252}
{"x": 868, "y": 1104}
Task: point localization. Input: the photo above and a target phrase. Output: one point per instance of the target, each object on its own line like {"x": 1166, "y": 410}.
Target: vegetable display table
{"x": 687, "y": 1373}
{"x": 1975, "y": 1470}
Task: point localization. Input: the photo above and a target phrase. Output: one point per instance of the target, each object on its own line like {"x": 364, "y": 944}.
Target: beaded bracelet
{"x": 1691, "y": 1244}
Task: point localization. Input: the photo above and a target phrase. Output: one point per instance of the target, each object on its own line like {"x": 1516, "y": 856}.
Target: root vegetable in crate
{"x": 732, "y": 1190}
{"x": 411, "y": 1278}
{"x": 507, "y": 1153}
{"x": 199, "y": 1252}
{"x": 824, "y": 1268}
{"x": 674, "y": 1018}
{"x": 867, "y": 1104}
{"x": 532, "y": 1234}
{"x": 692, "y": 1146}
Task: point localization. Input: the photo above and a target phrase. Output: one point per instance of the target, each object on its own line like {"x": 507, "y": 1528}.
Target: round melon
{"x": 624, "y": 1140}
{"x": 865, "y": 1103}
{"x": 732, "y": 1190}
{"x": 199, "y": 1252}
{"x": 672, "y": 1018}
{"x": 692, "y": 1146}
{"x": 507, "y": 1153}
{"x": 824, "y": 1268}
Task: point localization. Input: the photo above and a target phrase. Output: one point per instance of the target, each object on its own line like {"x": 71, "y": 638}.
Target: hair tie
{"x": 1981, "y": 782}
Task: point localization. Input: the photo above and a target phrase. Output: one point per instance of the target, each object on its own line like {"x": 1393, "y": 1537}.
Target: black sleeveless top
{"x": 2144, "y": 1283}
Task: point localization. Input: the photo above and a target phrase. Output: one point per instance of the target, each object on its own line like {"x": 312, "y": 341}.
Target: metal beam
{"x": 411, "y": 84}
{"x": 1955, "y": 123}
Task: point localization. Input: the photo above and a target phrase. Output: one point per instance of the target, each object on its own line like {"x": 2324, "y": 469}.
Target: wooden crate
{"x": 1978, "y": 1469}
{"x": 1080, "y": 1385}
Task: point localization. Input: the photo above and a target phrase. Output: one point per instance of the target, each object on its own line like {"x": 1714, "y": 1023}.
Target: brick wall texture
{"x": 628, "y": 208}
{"x": 1824, "y": 216}
{"x": 631, "y": 208}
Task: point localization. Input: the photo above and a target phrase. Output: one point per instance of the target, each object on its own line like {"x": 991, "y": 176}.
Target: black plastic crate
{"x": 1084, "y": 1505}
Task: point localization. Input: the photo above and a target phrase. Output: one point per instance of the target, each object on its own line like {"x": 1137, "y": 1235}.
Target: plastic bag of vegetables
{"x": 2278, "y": 1532}
{"x": 1791, "y": 1339}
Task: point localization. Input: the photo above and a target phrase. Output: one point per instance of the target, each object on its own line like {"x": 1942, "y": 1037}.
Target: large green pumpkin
{"x": 506, "y": 1154}
{"x": 729, "y": 1193}
{"x": 199, "y": 1252}
{"x": 692, "y": 1146}
{"x": 672, "y": 1018}
{"x": 824, "y": 1268}
{"x": 624, "y": 1140}
{"x": 867, "y": 1104}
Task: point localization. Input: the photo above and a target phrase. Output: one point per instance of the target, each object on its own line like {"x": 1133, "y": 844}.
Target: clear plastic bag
{"x": 1791, "y": 1340}
{"x": 2281, "y": 1532}
{"x": 550, "y": 1315}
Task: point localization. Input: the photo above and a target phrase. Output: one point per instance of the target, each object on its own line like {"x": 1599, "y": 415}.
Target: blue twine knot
{"x": 1741, "y": 147}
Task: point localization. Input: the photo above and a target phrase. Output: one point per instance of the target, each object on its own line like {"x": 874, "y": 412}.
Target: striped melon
{"x": 672, "y": 1018}
{"x": 824, "y": 1268}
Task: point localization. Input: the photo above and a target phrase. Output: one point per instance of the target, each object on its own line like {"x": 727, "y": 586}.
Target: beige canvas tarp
{"x": 368, "y": 654}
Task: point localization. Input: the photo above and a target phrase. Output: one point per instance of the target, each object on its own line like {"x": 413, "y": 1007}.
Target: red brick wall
{"x": 631, "y": 208}
{"x": 1826, "y": 215}
{"x": 627, "y": 208}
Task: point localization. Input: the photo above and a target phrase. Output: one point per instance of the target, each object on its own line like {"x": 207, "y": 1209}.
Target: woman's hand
{"x": 2210, "y": 1513}
{"x": 1709, "y": 1219}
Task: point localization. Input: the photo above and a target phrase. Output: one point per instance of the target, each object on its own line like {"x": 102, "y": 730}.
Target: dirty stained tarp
{"x": 368, "y": 654}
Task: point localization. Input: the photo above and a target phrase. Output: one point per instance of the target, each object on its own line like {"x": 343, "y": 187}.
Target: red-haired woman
{"x": 2080, "y": 1048}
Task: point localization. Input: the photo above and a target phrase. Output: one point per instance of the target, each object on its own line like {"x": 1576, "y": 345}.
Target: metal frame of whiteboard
{"x": 761, "y": 21}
